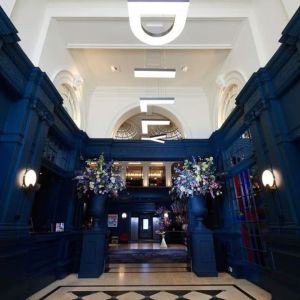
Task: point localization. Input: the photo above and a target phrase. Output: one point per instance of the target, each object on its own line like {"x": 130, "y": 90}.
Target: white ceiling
{"x": 86, "y": 37}
{"x": 115, "y": 32}
{"x": 95, "y": 65}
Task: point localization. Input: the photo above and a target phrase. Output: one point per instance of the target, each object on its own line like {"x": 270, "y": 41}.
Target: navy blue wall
{"x": 269, "y": 106}
{"x": 31, "y": 108}
{"x": 32, "y": 115}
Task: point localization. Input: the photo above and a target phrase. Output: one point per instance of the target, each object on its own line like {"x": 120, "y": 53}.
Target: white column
{"x": 123, "y": 170}
{"x": 145, "y": 174}
{"x": 168, "y": 173}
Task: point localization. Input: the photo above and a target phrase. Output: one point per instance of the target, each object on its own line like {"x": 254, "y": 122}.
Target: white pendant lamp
{"x": 145, "y": 101}
{"x": 157, "y": 8}
{"x": 154, "y": 73}
{"x": 157, "y": 138}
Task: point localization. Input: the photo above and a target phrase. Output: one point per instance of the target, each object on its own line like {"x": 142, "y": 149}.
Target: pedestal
{"x": 92, "y": 262}
{"x": 201, "y": 239}
{"x": 163, "y": 243}
{"x": 203, "y": 254}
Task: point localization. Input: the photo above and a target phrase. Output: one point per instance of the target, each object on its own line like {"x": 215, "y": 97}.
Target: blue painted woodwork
{"x": 201, "y": 239}
{"x": 94, "y": 251}
{"x": 97, "y": 209}
{"x": 131, "y": 150}
{"x": 32, "y": 115}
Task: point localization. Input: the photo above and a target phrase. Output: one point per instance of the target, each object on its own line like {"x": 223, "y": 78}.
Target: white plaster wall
{"x": 7, "y": 6}
{"x": 243, "y": 58}
{"x": 290, "y": 6}
{"x": 268, "y": 19}
{"x": 29, "y": 17}
{"x": 108, "y": 105}
{"x": 55, "y": 57}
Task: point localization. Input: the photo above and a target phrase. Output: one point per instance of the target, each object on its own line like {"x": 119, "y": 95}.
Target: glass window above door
{"x": 134, "y": 176}
{"x": 157, "y": 176}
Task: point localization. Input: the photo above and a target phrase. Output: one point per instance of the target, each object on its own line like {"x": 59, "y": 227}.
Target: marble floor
{"x": 151, "y": 281}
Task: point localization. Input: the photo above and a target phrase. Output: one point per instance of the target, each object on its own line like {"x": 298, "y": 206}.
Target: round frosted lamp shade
{"x": 268, "y": 179}
{"x": 124, "y": 215}
{"x": 166, "y": 215}
{"x": 30, "y": 178}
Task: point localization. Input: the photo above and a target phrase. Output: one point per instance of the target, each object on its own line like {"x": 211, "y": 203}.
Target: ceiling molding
{"x": 145, "y": 91}
{"x": 143, "y": 46}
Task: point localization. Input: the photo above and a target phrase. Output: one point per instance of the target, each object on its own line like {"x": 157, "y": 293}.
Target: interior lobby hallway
{"x": 151, "y": 281}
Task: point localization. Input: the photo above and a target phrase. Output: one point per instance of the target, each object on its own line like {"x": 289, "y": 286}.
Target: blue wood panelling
{"x": 32, "y": 112}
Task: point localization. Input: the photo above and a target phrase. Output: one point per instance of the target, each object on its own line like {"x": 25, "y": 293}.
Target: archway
{"x": 128, "y": 126}
{"x": 229, "y": 86}
{"x": 69, "y": 87}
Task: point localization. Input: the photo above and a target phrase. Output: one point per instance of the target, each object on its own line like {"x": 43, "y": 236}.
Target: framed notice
{"x": 59, "y": 227}
{"x": 112, "y": 220}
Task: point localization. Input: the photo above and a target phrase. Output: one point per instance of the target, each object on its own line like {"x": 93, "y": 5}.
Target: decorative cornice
{"x": 146, "y": 90}
{"x": 255, "y": 112}
{"x": 143, "y": 46}
{"x": 8, "y": 32}
{"x": 42, "y": 111}
{"x": 291, "y": 34}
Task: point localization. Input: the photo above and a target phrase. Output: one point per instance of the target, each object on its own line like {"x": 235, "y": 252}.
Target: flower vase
{"x": 199, "y": 211}
{"x": 97, "y": 210}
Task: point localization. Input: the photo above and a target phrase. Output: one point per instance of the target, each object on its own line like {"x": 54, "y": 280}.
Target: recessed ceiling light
{"x": 184, "y": 68}
{"x": 115, "y": 68}
{"x": 154, "y": 73}
{"x": 158, "y": 8}
{"x": 145, "y": 101}
{"x": 146, "y": 123}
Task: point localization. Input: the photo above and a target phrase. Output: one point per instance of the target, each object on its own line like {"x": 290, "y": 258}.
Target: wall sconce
{"x": 124, "y": 215}
{"x": 268, "y": 180}
{"x": 166, "y": 215}
{"x": 29, "y": 179}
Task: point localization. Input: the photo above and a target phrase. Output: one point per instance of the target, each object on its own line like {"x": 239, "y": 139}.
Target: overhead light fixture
{"x": 184, "y": 68}
{"x": 146, "y": 123}
{"x": 134, "y": 163}
{"x": 154, "y": 73}
{"x": 115, "y": 68}
{"x": 268, "y": 180}
{"x": 137, "y": 9}
{"x": 145, "y": 101}
{"x": 157, "y": 138}
{"x": 124, "y": 215}
{"x": 157, "y": 163}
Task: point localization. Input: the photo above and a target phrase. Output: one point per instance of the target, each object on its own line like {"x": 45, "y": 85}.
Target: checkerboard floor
{"x": 151, "y": 282}
{"x": 163, "y": 293}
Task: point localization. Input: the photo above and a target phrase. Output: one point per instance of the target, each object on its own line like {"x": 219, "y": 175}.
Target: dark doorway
{"x": 145, "y": 227}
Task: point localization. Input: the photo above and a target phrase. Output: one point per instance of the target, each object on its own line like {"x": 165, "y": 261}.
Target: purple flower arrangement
{"x": 165, "y": 221}
{"x": 100, "y": 177}
{"x": 196, "y": 177}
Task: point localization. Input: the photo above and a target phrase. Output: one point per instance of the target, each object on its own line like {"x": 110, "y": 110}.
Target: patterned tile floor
{"x": 151, "y": 282}
{"x": 226, "y": 292}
